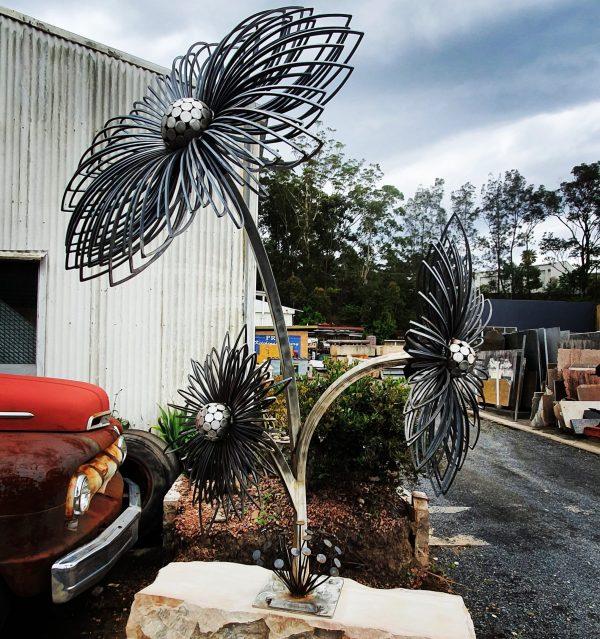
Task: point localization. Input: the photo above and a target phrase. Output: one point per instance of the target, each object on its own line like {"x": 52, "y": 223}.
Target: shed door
{"x": 18, "y": 315}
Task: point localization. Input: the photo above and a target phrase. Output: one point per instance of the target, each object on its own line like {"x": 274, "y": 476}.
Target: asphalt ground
{"x": 534, "y": 503}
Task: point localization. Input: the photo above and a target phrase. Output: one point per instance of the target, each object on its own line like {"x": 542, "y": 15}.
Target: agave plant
{"x": 170, "y": 424}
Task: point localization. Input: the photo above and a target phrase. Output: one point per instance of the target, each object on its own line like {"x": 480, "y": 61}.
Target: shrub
{"x": 362, "y": 433}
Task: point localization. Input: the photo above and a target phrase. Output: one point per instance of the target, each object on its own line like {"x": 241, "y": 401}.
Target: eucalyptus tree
{"x": 575, "y": 205}
{"x": 424, "y": 219}
{"x": 511, "y": 213}
{"x": 329, "y": 227}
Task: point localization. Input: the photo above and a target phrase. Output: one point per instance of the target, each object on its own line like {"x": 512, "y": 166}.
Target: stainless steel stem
{"x": 268, "y": 280}
{"x": 296, "y": 490}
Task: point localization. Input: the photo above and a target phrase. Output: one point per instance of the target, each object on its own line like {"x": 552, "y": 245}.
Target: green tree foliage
{"x": 511, "y": 213}
{"x": 424, "y": 219}
{"x": 464, "y": 205}
{"x": 332, "y": 235}
{"x": 559, "y": 288}
{"x": 524, "y": 278}
{"x": 576, "y": 206}
{"x": 345, "y": 250}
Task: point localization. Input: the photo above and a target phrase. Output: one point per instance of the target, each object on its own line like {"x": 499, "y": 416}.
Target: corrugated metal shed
{"x": 135, "y": 340}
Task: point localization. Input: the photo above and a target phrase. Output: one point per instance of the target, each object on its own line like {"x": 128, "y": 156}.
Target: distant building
{"x": 548, "y": 270}
{"x": 262, "y": 314}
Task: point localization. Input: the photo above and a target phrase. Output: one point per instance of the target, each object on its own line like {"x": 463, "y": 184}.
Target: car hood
{"x": 56, "y": 405}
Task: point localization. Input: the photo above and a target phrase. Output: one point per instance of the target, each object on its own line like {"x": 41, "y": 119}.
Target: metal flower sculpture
{"x": 188, "y": 144}
{"x": 314, "y": 569}
{"x": 442, "y": 416}
{"x": 199, "y": 136}
{"x": 196, "y": 141}
{"x": 306, "y": 573}
{"x": 225, "y": 447}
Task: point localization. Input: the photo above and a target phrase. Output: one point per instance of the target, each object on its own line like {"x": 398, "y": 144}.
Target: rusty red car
{"x": 71, "y": 496}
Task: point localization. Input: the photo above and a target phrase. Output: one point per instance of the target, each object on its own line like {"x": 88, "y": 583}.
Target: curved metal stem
{"x": 268, "y": 279}
{"x": 296, "y": 491}
{"x": 328, "y": 397}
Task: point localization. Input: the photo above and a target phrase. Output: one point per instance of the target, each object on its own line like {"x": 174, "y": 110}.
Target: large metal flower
{"x": 225, "y": 111}
{"x": 225, "y": 446}
{"x": 442, "y": 415}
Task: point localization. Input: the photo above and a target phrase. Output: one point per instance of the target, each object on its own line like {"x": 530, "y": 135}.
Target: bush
{"x": 362, "y": 434}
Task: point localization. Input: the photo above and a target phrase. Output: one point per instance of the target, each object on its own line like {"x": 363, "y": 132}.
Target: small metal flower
{"x": 442, "y": 415}
{"x": 225, "y": 446}
{"x": 200, "y": 134}
{"x": 301, "y": 570}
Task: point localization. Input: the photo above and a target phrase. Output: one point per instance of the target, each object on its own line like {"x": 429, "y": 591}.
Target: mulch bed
{"x": 366, "y": 519}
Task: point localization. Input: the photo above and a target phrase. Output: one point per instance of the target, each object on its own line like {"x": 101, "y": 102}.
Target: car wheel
{"x": 154, "y": 470}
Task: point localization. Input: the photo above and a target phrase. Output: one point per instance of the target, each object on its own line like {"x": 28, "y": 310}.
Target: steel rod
{"x": 268, "y": 279}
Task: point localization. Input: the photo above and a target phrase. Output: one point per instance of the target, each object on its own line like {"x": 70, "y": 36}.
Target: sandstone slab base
{"x": 213, "y": 600}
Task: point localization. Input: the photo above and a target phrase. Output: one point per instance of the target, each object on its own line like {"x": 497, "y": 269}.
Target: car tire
{"x": 154, "y": 470}
{"x": 5, "y": 603}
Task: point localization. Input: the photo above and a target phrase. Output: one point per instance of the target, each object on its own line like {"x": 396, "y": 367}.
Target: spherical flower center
{"x": 184, "y": 120}
{"x": 461, "y": 359}
{"x": 213, "y": 421}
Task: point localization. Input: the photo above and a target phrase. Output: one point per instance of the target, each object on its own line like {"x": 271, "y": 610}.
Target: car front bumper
{"x": 83, "y": 567}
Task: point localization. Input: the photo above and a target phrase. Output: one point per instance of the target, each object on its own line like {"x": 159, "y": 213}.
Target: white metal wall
{"x": 135, "y": 340}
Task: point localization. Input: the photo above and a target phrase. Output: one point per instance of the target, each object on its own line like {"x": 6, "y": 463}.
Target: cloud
{"x": 441, "y": 89}
{"x": 543, "y": 147}
{"x": 397, "y": 26}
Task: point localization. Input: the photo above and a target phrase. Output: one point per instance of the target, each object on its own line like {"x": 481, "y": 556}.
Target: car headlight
{"x": 82, "y": 488}
{"x": 91, "y": 478}
{"x": 122, "y": 446}
{"x": 117, "y": 450}
{"x": 82, "y": 495}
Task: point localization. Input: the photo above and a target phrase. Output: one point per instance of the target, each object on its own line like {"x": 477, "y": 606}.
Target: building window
{"x": 18, "y": 315}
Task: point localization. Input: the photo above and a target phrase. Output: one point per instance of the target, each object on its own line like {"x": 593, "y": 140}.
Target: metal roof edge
{"x": 85, "y": 42}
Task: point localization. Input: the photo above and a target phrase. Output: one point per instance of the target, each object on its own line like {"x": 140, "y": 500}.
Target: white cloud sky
{"x": 543, "y": 147}
{"x": 456, "y": 90}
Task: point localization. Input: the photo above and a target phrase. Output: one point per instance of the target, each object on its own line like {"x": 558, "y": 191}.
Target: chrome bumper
{"x": 83, "y": 567}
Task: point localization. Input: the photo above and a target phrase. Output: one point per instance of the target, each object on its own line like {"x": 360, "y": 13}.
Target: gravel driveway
{"x": 535, "y": 503}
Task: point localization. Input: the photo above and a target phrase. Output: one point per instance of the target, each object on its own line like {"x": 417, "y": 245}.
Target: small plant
{"x": 264, "y": 516}
{"x": 125, "y": 423}
{"x": 171, "y": 422}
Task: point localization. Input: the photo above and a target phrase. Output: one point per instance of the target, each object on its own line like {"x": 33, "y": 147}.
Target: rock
{"x": 202, "y": 600}
{"x": 588, "y": 392}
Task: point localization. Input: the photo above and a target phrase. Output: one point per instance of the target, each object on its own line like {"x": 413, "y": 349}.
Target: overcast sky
{"x": 442, "y": 88}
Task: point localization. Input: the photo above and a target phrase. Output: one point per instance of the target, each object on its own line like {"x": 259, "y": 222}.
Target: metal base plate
{"x": 321, "y": 602}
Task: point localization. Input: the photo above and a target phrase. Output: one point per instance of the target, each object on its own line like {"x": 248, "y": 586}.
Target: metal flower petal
{"x": 442, "y": 415}
{"x": 225, "y": 446}
{"x": 192, "y": 141}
